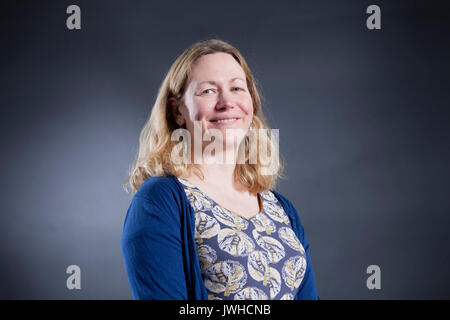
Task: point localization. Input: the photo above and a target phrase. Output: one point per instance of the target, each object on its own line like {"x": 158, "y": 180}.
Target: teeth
{"x": 225, "y": 120}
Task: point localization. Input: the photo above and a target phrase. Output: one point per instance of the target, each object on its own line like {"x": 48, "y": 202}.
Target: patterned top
{"x": 258, "y": 259}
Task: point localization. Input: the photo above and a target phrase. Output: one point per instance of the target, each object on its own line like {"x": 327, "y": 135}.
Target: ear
{"x": 174, "y": 106}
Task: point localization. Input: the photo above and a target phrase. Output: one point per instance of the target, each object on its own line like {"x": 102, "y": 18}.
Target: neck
{"x": 221, "y": 175}
{"x": 218, "y": 174}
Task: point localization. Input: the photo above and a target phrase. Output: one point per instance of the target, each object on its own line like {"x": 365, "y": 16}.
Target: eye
{"x": 237, "y": 89}
{"x": 205, "y": 91}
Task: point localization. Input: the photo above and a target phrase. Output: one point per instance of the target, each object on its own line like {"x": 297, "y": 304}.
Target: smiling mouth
{"x": 230, "y": 120}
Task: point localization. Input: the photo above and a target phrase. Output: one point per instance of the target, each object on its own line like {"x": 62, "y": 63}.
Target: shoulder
{"x": 290, "y": 210}
{"x": 287, "y": 205}
{"x": 163, "y": 193}
{"x": 158, "y": 188}
{"x": 156, "y": 198}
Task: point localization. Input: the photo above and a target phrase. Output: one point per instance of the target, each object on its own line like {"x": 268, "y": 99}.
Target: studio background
{"x": 363, "y": 118}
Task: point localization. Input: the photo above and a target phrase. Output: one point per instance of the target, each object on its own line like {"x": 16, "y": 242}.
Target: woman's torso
{"x": 257, "y": 258}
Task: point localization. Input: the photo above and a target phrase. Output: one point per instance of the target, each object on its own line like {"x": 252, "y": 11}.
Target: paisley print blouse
{"x": 257, "y": 259}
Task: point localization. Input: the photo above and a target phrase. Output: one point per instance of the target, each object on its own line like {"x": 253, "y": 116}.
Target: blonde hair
{"x": 155, "y": 145}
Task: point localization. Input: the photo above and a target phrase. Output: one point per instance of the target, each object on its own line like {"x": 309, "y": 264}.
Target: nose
{"x": 225, "y": 101}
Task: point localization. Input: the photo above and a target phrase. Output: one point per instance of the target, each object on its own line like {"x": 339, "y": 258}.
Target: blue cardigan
{"x": 159, "y": 250}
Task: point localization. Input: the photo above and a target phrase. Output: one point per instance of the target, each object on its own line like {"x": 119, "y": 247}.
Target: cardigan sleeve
{"x": 152, "y": 250}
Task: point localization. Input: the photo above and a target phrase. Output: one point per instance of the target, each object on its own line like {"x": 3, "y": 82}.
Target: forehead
{"x": 216, "y": 66}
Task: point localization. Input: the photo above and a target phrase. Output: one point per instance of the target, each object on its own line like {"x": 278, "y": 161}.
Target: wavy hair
{"x": 155, "y": 145}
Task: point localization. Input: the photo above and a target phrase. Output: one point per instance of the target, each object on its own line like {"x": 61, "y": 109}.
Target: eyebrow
{"x": 213, "y": 82}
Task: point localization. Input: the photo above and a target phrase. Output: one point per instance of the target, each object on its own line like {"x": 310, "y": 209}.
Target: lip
{"x": 224, "y": 118}
{"x": 228, "y": 121}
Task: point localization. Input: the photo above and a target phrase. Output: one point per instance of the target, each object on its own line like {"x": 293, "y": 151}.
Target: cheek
{"x": 249, "y": 107}
{"x": 194, "y": 111}
{"x": 204, "y": 110}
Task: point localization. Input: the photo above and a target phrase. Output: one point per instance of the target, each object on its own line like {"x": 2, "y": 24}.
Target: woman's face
{"x": 217, "y": 96}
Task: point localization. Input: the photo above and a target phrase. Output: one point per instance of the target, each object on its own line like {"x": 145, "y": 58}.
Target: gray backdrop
{"x": 363, "y": 118}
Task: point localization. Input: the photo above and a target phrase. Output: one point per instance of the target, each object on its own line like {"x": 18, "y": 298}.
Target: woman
{"x": 205, "y": 223}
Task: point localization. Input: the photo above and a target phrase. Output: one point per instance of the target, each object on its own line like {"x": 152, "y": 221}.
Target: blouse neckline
{"x": 260, "y": 200}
